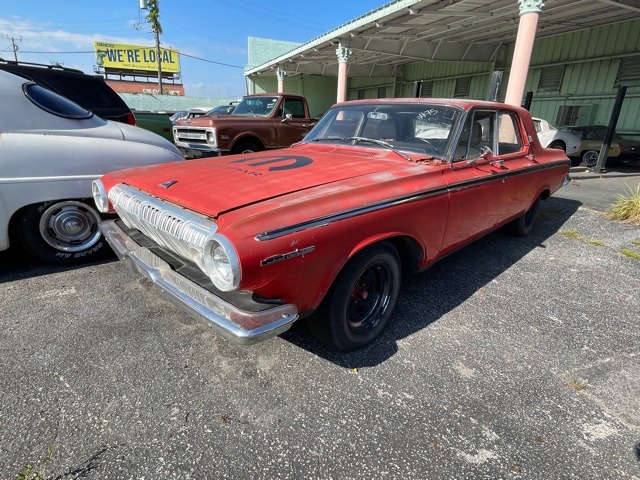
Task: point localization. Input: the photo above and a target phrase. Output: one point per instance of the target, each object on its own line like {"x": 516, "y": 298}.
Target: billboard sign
{"x": 119, "y": 56}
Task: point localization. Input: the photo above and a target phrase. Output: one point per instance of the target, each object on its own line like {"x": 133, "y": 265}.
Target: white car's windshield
{"x": 414, "y": 128}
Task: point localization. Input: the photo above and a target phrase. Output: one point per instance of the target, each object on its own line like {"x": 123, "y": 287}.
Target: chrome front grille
{"x": 181, "y": 231}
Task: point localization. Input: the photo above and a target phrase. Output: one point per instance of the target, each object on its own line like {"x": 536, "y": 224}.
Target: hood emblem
{"x": 168, "y": 184}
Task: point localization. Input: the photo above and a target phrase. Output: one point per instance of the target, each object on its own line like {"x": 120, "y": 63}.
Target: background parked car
{"x": 551, "y": 137}
{"x": 51, "y": 150}
{"x": 178, "y": 115}
{"x": 222, "y": 110}
{"x": 88, "y": 91}
{"x": 591, "y": 137}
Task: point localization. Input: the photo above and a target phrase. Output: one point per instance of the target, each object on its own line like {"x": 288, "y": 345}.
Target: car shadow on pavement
{"x": 17, "y": 264}
{"x": 426, "y": 297}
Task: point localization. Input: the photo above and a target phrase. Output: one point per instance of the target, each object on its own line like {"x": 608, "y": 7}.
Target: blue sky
{"x": 215, "y": 30}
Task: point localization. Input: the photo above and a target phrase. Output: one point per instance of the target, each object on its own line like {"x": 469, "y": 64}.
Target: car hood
{"x": 218, "y": 185}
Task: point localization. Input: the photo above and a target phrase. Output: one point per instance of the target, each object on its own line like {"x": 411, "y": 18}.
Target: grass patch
{"x": 630, "y": 253}
{"x": 37, "y": 471}
{"x": 636, "y": 243}
{"x": 597, "y": 243}
{"x": 627, "y": 208}
{"x": 570, "y": 233}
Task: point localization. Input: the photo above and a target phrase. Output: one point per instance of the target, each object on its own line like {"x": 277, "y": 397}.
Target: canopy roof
{"x": 408, "y": 31}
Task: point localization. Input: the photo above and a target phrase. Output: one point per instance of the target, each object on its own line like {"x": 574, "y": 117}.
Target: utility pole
{"x": 13, "y": 43}
{"x": 153, "y": 18}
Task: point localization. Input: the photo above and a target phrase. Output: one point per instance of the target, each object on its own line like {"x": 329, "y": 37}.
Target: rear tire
{"x": 361, "y": 300}
{"x": 521, "y": 226}
{"x": 63, "y": 232}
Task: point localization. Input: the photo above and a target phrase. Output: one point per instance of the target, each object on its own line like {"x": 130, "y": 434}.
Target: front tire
{"x": 558, "y": 145}
{"x": 246, "y": 146}
{"x": 62, "y": 232}
{"x": 361, "y": 300}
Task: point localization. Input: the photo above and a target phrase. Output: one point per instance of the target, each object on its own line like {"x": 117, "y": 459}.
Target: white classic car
{"x": 551, "y": 137}
{"x": 51, "y": 149}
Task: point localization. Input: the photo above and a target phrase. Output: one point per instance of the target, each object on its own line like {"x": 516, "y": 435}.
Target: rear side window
{"x": 54, "y": 103}
{"x": 86, "y": 91}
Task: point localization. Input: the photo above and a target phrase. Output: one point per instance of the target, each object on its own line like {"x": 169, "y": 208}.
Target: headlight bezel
{"x": 100, "y": 197}
{"x": 212, "y": 268}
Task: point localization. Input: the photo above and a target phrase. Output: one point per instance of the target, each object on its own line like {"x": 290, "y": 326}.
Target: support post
{"x": 280, "y": 74}
{"x": 529, "y": 12}
{"x": 611, "y": 129}
{"x": 343, "y": 54}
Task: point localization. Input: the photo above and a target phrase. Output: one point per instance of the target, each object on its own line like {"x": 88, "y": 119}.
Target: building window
{"x": 629, "y": 72}
{"x": 426, "y": 90}
{"x": 568, "y": 115}
{"x": 462, "y": 87}
{"x": 551, "y": 78}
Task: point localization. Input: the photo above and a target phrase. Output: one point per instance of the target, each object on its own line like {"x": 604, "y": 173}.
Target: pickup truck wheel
{"x": 246, "y": 146}
{"x": 360, "y": 302}
{"x": 62, "y": 232}
{"x": 522, "y": 225}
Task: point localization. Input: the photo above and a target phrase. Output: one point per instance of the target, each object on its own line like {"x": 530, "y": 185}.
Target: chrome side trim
{"x": 299, "y": 252}
{"x": 322, "y": 221}
{"x": 326, "y": 220}
{"x": 229, "y": 321}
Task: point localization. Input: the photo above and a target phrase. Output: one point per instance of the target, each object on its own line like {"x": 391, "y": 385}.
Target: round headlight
{"x": 100, "y": 196}
{"x": 221, "y": 263}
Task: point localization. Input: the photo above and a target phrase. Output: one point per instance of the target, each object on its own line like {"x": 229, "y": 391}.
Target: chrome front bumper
{"x": 239, "y": 326}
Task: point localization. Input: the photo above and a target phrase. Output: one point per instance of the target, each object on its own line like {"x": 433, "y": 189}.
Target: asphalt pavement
{"x": 513, "y": 358}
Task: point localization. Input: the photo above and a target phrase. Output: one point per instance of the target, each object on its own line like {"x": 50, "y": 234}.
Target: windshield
{"x": 420, "y": 128}
{"x": 256, "y": 106}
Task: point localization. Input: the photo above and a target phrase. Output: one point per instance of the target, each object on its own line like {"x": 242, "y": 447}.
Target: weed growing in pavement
{"x": 570, "y": 233}
{"x": 627, "y": 208}
{"x": 630, "y": 253}
{"x": 636, "y": 243}
{"x": 31, "y": 472}
{"x": 597, "y": 243}
{"x": 577, "y": 385}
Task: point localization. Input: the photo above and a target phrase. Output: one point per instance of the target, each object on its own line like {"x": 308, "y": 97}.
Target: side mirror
{"x": 485, "y": 153}
{"x": 287, "y": 117}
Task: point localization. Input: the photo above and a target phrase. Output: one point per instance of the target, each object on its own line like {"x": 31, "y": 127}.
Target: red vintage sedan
{"x": 323, "y": 229}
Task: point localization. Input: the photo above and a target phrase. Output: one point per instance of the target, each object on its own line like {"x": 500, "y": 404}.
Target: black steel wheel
{"x": 360, "y": 302}
{"x": 522, "y": 225}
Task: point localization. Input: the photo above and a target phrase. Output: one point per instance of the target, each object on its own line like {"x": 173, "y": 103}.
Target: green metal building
{"x": 583, "y": 50}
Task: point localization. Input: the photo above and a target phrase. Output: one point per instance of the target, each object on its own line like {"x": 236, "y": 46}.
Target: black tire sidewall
{"x": 246, "y": 145}
{"x": 35, "y": 245}
{"x": 334, "y": 319}
{"x": 520, "y": 226}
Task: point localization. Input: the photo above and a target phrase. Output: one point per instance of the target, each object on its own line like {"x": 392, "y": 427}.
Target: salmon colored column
{"x": 529, "y": 12}
{"x": 343, "y": 54}
{"x": 280, "y": 74}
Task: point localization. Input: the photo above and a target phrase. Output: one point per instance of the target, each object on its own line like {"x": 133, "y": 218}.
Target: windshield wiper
{"x": 382, "y": 143}
{"x": 330, "y": 137}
